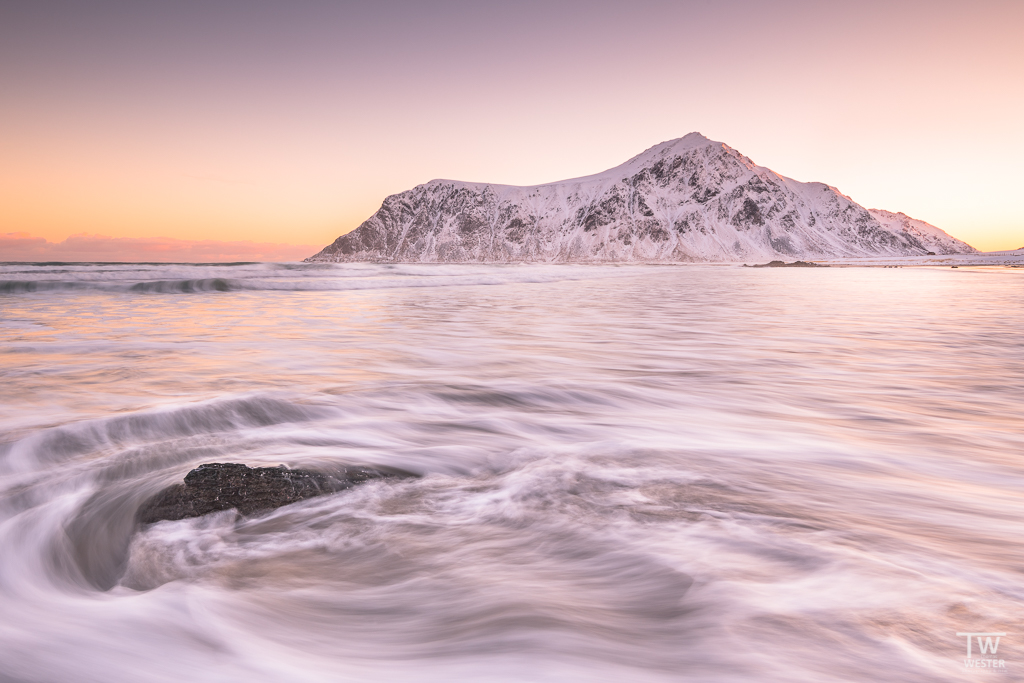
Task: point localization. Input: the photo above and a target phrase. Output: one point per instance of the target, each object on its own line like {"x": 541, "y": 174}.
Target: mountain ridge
{"x": 689, "y": 199}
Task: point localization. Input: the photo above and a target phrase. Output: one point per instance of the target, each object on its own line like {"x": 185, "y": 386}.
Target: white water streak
{"x": 628, "y": 473}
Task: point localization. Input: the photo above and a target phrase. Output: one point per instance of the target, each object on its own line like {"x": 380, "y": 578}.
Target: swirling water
{"x": 628, "y": 472}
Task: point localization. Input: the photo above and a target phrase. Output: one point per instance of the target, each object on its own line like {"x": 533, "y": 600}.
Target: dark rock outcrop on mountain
{"x": 689, "y": 199}
{"x": 250, "y": 490}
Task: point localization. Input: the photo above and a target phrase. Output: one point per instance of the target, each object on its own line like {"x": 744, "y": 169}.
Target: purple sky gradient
{"x": 289, "y": 122}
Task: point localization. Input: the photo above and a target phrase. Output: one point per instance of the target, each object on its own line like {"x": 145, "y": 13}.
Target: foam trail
{"x": 626, "y": 473}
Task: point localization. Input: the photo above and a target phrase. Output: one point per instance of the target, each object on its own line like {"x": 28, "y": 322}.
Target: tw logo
{"x": 986, "y": 646}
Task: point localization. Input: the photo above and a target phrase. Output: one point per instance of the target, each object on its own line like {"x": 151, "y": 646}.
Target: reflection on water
{"x": 629, "y": 473}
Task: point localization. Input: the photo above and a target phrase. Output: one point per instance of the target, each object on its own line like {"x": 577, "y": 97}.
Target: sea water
{"x": 627, "y": 473}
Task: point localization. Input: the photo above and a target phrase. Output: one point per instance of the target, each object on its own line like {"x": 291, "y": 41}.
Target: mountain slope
{"x": 689, "y": 199}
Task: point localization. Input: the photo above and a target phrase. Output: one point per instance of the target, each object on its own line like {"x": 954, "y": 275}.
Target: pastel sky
{"x": 287, "y": 123}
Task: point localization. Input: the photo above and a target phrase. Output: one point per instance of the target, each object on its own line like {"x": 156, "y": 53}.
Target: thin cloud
{"x": 21, "y": 246}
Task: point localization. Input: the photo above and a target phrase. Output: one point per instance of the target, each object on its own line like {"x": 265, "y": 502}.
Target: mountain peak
{"x": 687, "y": 142}
{"x": 687, "y": 199}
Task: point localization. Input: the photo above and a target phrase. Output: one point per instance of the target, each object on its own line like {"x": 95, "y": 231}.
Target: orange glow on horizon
{"x": 902, "y": 106}
{"x": 22, "y": 246}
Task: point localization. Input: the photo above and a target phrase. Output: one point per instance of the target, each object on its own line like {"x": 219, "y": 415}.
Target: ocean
{"x": 626, "y": 473}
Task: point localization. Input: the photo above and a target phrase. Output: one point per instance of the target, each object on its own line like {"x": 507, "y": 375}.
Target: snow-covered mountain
{"x": 689, "y": 199}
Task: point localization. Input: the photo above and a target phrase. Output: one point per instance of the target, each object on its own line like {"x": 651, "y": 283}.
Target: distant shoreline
{"x": 1012, "y": 258}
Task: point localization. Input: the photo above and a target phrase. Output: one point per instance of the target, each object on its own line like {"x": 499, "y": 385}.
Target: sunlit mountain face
{"x": 689, "y": 199}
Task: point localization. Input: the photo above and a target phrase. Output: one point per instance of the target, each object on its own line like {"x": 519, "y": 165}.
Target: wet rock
{"x": 223, "y": 486}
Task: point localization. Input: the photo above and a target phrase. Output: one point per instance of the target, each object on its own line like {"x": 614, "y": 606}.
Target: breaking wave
{"x": 202, "y": 278}
{"x": 216, "y": 284}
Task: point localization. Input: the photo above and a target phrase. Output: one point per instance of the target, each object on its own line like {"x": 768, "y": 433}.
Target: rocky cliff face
{"x": 689, "y": 199}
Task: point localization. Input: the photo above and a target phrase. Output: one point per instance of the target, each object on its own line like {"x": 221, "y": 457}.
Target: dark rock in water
{"x": 223, "y": 486}
{"x": 783, "y": 264}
